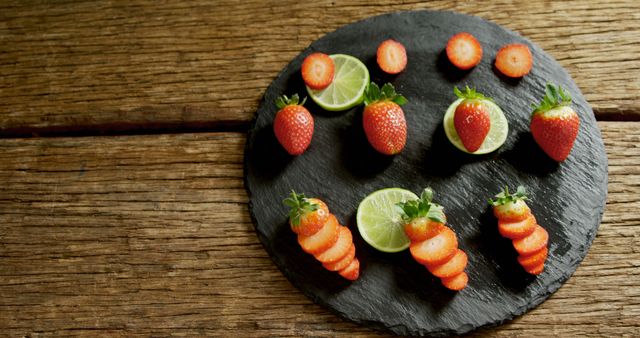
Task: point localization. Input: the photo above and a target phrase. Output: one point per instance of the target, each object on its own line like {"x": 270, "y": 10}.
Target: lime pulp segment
{"x": 350, "y": 79}
{"x": 380, "y": 221}
{"x": 497, "y": 132}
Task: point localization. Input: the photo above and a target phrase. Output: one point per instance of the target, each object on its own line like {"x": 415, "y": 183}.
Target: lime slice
{"x": 380, "y": 222}
{"x": 497, "y": 132}
{"x": 350, "y": 79}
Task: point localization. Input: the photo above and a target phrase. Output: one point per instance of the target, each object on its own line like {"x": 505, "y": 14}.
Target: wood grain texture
{"x": 150, "y": 235}
{"x": 97, "y": 66}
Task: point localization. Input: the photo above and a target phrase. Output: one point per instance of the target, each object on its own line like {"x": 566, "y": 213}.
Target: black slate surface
{"x": 394, "y": 292}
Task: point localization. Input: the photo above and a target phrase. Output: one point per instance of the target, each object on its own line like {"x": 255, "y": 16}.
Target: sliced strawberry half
{"x": 351, "y": 272}
{"x": 464, "y": 51}
{"x": 532, "y": 243}
{"x": 536, "y": 270}
{"x": 535, "y": 259}
{"x": 435, "y": 250}
{"x": 457, "y": 282}
{"x": 339, "y": 249}
{"x": 452, "y": 267}
{"x": 391, "y": 56}
{"x": 518, "y": 229}
{"x": 322, "y": 240}
{"x": 343, "y": 262}
{"x": 318, "y": 70}
{"x": 514, "y": 60}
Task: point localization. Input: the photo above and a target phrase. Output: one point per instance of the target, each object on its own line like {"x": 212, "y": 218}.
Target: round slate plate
{"x": 393, "y": 291}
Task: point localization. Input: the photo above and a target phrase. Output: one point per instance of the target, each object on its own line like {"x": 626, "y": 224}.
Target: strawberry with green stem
{"x": 383, "y": 119}
{"x": 293, "y": 124}
{"x": 516, "y": 222}
{"x": 432, "y": 243}
{"x": 554, "y": 124}
{"x": 321, "y": 235}
{"x": 471, "y": 118}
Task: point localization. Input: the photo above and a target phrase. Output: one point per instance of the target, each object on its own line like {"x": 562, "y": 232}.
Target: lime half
{"x": 380, "y": 221}
{"x": 350, "y": 79}
{"x": 497, "y": 132}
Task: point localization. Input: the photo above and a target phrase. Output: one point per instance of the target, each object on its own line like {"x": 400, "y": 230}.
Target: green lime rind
{"x": 350, "y": 80}
{"x": 380, "y": 220}
{"x": 498, "y": 131}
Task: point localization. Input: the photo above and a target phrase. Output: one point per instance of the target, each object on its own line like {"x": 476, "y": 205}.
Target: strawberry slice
{"x": 514, "y": 60}
{"x": 536, "y": 270}
{"x": 339, "y": 249}
{"x": 318, "y": 70}
{"x": 322, "y": 240}
{"x": 534, "y": 259}
{"x": 516, "y": 230}
{"x": 435, "y": 250}
{"x": 352, "y": 271}
{"x": 452, "y": 267}
{"x": 532, "y": 243}
{"x": 343, "y": 262}
{"x": 464, "y": 51}
{"x": 391, "y": 56}
{"x": 422, "y": 228}
{"x": 457, "y": 282}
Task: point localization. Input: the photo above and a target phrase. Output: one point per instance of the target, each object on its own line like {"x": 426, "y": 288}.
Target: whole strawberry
{"x": 554, "y": 124}
{"x": 383, "y": 119}
{"x": 293, "y": 124}
{"x": 471, "y": 118}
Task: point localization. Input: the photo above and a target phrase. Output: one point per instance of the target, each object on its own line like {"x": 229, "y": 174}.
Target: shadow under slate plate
{"x": 394, "y": 292}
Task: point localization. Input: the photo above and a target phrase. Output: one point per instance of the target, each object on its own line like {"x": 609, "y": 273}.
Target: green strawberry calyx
{"x": 421, "y": 208}
{"x": 374, "y": 94}
{"x": 554, "y": 97}
{"x": 300, "y": 205}
{"x": 505, "y": 197}
{"x": 283, "y": 101}
{"x": 470, "y": 94}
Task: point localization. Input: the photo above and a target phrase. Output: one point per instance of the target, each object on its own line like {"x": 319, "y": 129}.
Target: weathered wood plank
{"x": 150, "y": 235}
{"x": 95, "y": 66}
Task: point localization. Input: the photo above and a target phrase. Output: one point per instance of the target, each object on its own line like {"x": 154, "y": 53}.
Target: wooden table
{"x": 122, "y": 126}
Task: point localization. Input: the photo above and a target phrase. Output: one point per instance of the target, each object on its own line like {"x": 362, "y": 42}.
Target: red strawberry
{"x": 391, "y": 56}
{"x": 342, "y": 263}
{"x": 450, "y": 268}
{"x": 422, "y": 228}
{"x": 317, "y": 70}
{"x": 293, "y": 125}
{"x": 322, "y": 240}
{"x": 383, "y": 119}
{"x": 339, "y": 249}
{"x": 511, "y": 207}
{"x": 536, "y": 270}
{"x": 457, "y": 282}
{"x": 534, "y": 259}
{"x": 518, "y": 229}
{"x": 422, "y": 219}
{"x": 307, "y": 215}
{"x": 532, "y": 243}
{"x": 352, "y": 271}
{"x": 514, "y": 60}
{"x": 464, "y": 51}
{"x": 432, "y": 243}
{"x": 554, "y": 124}
{"x": 471, "y": 118}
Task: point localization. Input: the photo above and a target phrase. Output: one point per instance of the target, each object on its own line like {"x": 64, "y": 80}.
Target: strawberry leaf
{"x": 554, "y": 97}
{"x": 504, "y": 197}
{"x": 374, "y": 94}
{"x": 283, "y": 101}
{"x": 469, "y": 94}
{"x": 300, "y": 205}
{"x": 422, "y": 207}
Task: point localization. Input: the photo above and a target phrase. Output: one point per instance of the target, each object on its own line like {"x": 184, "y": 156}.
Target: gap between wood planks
{"x": 157, "y": 128}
